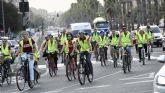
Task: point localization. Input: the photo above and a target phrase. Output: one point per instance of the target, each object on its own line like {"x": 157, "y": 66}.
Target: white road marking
{"x": 93, "y": 87}
{"x": 142, "y": 76}
{"x": 138, "y": 82}
{"x": 146, "y": 91}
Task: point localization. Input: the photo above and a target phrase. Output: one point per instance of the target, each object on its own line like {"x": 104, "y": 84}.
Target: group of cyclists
{"x": 84, "y": 44}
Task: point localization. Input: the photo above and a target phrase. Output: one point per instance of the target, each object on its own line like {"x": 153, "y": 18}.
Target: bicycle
{"x": 143, "y": 54}
{"x": 71, "y": 67}
{"x": 126, "y": 60}
{"x": 83, "y": 70}
{"x": 51, "y": 65}
{"x": 115, "y": 51}
{"x": 102, "y": 56}
{"x": 5, "y": 72}
{"x": 23, "y": 73}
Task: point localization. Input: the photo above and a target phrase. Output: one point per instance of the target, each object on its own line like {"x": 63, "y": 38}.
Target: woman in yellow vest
{"x": 51, "y": 45}
{"x": 85, "y": 47}
{"x": 6, "y": 51}
{"x": 142, "y": 42}
{"x": 103, "y": 42}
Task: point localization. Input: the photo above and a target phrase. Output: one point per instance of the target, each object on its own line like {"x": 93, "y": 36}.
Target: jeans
{"x": 88, "y": 59}
{"x": 129, "y": 50}
{"x": 7, "y": 61}
{"x": 31, "y": 63}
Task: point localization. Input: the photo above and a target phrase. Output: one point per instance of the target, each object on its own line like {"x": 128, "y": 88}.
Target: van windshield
{"x": 155, "y": 30}
{"x": 75, "y": 32}
{"x": 102, "y": 24}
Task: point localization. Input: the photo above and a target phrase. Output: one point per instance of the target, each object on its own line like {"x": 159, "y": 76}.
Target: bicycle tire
{"x": 36, "y": 77}
{"x": 124, "y": 64}
{"x": 81, "y": 70}
{"x": 18, "y": 73}
{"x": 149, "y": 55}
{"x": 9, "y": 76}
{"x": 68, "y": 73}
{"x": 2, "y": 77}
{"x": 143, "y": 57}
{"x": 90, "y": 79}
{"x": 129, "y": 66}
{"x": 29, "y": 81}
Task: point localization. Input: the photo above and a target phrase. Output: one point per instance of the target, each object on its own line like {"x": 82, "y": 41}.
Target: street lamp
{"x": 3, "y": 18}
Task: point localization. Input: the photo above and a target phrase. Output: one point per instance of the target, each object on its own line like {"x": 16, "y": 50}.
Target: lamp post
{"x": 3, "y": 18}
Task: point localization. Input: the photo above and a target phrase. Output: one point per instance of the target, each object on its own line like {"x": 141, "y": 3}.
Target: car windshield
{"x": 155, "y": 30}
{"x": 102, "y": 24}
{"x": 74, "y": 33}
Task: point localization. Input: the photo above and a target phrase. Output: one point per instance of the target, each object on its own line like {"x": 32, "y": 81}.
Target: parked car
{"x": 157, "y": 34}
{"x": 159, "y": 80}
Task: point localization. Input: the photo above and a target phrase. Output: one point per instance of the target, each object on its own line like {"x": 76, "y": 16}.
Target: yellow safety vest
{"x": 114, "y": 40}
{"x": 149, "y": 35}
{"x": 95, "y": 37}
{"x": 102, "y": 42}
{"x": 67, "y": 46}
{"x": 63, "y": 38}
{"x": 52, "y": 46}
{"x": 30, "y": 42}
{"x": 141, "y": 39}
{"x": 84, "y": 45}
{"x": 6, "y": 51}
{"x": 125, "y": 39}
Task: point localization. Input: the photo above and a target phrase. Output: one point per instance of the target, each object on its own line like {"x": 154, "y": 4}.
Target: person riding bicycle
{"x": 63, "y": 37}
{"x": 51, "y": 46}
{"x": 125, "y": 40}
{"x": 103, "y": 42}
{"x": 69, "y": 47}
{"x": 142, "y": 42}
{"x": 149, "y": 36}
{"x": 85, "y": 48}
{"x": 6, "y": 51}
{"x": 27, "y": 47}
{"x": 43, "y": 45}
{"x": 136, "y": 36}
{"x": 114, "y": 38}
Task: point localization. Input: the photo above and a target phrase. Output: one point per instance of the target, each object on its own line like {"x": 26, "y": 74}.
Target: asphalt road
{"x": 106, "y": 79}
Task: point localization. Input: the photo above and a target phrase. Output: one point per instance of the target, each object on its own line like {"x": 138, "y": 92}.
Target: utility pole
{"x": 3, "y": 18}
{"x": 23, "y": 14}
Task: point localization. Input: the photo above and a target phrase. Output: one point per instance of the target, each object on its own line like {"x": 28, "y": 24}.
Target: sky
{"x": 53, "y": 5}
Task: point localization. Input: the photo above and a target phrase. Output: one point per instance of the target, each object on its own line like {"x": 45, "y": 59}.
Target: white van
{"x": 157, "y": 34}
{"x": 75, "y": 28}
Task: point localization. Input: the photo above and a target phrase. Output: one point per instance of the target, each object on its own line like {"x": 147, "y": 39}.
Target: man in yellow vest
{"x": 103, "y": 42}
{"x": 85, "y": 48}
{"x": 114, "y": 38}
{"x": 27, "y": 47}
{"x": 6, "y": 51}
{"x": 63, "y": 37}
{"x": 142, "y": 42}
{"x": 125, "y": 40}
{"x": 51, "y": 45}
{"x": 149, "y": 36}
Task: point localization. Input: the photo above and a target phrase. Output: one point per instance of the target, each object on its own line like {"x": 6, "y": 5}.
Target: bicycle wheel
{"x": 81, "y": 73}
{"x": 30, "y": 83}
{"x": 124, "y": 64}
{"x": 36, "y": 77}
{"x": 149, "y": 53}
{"x": 69, "y": 71}
{"x": 143, "y": 57}
{"x": 129, "y": 65}
{"x": 114, "y": 60}
{"x": 90, "y": 73}
{"x": 50, "y": 69}
{"x": 74, "y": 68}
{"x": 9, "y": 76}
{"x": 20, "y": 79}
{"x": 1, "y": 76}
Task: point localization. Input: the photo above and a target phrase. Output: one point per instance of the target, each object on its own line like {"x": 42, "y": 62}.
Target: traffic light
{"x": 24, "y": 6}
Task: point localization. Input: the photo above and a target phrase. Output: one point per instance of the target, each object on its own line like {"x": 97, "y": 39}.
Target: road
{"x": 106, "y": 79}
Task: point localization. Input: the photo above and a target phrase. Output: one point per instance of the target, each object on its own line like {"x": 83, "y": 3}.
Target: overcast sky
{"x": 53, "y": 5}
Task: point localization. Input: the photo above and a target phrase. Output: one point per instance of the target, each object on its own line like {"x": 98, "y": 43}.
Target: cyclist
{"x": 85, "y": 48}
{"x": 95, "y": 39}
{"x": 149, "y": 36}
{"x": 126, "y": 40}
{"x": 43, "y": 45}
{"x": 6, "y": 51}
{"x": 27, "y": 46}
{"x": 136, "y": 36}
{"x": 103, "y": 42}
{"x": 51, "y": 45}
{"x": 142, "y": 42}
{"x": 63, "y": 37}
{"x": 114, "y": 38}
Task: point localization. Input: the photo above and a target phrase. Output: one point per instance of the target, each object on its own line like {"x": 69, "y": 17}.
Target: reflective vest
{"x": 6, "y": 51}
{"x": 95, "y": 37}
{"x": 37, "y": 56}
{"x": 30, "y": 42}
{"x": 83, "y": 44}
{"x": 52, "y": 46}
{"x": 63, "y": 38}
{"x": 114, "y": 40}
{"x": 125, "y": 39}
{"x": 102, "y": 41}
{"x": 67, "y": 46}
{"x": 141, "y": 39}
{"x": 149, "y": 35}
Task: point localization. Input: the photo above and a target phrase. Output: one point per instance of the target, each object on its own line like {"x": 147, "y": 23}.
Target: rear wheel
{"x": 20, "y": 79}
{"x": 30, "y": 82}
{"x": 81, "y": 73}
{"x": 68, "y": 71}
{"x": 143, "y": 57}
{"x": 9, "y": 76}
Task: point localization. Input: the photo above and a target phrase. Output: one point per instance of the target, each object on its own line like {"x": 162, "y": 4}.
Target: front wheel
{"x": 124, "y": 64}
{"x": 69, "y": 71}
{"x": 20, "y": 79}
{"x": 9, "y": 76}
{"x": 90, "y": 75}
{"x": 81, "y": 74}
{"x": 143, "y": 57}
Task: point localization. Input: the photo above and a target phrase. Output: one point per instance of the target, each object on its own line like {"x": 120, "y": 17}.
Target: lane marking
{"x": 138, "y": 82}
{"x": 145, "y": 91}
{"x": 92, "y": 87}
